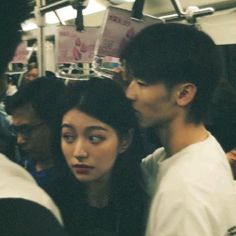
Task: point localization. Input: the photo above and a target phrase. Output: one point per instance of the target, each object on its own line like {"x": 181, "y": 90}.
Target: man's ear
{"x": 125, "y": 142}
{"x": 185, "y": 93}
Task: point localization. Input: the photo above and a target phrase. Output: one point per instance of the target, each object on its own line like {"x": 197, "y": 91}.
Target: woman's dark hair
{"x": 105, "y": 100}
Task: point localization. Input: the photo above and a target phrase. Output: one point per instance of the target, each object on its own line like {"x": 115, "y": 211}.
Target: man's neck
{"x": 178, "y": 136}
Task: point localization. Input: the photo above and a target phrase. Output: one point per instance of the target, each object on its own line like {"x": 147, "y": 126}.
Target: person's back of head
{"x": 173, "y": 54}
{"x": 12, "y": 14}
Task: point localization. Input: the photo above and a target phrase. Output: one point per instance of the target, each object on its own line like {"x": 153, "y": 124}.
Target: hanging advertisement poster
{"x": 118, "y": 28}
{"x": 73, "y": 46}
{"x": 21, "y": 54}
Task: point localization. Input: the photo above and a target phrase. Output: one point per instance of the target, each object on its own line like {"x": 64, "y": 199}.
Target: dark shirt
{"x": 92, "y": 221}
{"x": 19, "y": 217}
{"x": 81, "y": 219}
{"x": 42, "y": 177}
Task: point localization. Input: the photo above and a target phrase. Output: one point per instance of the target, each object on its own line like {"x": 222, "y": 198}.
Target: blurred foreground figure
{"x": 25, "y": 209}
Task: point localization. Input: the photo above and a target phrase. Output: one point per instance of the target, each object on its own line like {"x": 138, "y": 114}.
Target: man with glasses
{"x": 32, "y": 114}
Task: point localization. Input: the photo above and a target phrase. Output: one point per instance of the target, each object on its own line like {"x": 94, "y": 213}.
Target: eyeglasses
{"x": 25, "y": 130}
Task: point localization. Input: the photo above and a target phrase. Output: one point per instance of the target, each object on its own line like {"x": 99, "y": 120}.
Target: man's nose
{"x": 131, "y": 90}
{"x": 20, "y": 139}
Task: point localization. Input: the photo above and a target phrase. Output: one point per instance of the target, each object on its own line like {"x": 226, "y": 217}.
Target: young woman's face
{"x": 90, "y": 146}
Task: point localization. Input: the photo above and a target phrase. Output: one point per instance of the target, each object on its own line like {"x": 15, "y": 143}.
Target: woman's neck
{"x": 98, "y": 193}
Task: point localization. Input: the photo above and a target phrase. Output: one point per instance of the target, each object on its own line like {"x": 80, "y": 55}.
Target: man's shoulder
{"x": 157, "y": 156}
{"x": 150, "y": 165}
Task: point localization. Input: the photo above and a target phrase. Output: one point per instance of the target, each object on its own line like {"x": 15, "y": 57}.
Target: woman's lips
{"x": 82, "y": 169}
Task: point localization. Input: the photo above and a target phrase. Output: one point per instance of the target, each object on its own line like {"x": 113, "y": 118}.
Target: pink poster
{"x": 73, "y": 46}
{"x": 21, "y": 53}
{"x": 118, "y": 29}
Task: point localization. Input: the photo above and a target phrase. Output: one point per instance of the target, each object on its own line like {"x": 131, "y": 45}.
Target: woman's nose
{"x": 80, "y": 151}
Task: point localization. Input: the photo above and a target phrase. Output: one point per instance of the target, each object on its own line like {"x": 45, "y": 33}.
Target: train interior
{"x": 55, "y": 25}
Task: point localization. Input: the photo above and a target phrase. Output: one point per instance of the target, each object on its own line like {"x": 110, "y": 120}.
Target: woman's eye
{"x": 96, "y": 139}
{"x": 69, "y": 138}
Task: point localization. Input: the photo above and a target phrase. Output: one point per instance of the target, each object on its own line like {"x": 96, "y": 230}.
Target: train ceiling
{"x": 160, "y": 7}
{"x": 221, "y": 25}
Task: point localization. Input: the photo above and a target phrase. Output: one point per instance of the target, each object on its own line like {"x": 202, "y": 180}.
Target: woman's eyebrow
{"x": 66, "y": 125}
{"x": 95, "y": 127}
{"x": 89, "y": 128}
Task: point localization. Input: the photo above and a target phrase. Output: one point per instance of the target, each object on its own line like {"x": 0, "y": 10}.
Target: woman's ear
{"x": 125, "y": 142}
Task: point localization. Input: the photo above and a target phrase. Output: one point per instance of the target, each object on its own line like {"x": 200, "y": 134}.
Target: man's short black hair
{"x": 175, "y": 53}
{"x": 12, "y": 14}
{"x": 42, "y": 94}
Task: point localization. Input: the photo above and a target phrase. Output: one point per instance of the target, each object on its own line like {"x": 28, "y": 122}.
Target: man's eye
{"x": 96, "y": 139}
{"x": 69, "y": 138}
{"x": 141, "y": 83}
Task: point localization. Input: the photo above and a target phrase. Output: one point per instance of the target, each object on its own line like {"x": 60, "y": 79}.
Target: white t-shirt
{"x": 195, "y": 192}
{"x": 16, "y": 182}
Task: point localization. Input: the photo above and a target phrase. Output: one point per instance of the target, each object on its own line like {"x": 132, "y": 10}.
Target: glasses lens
{"x": 24, "y": 130}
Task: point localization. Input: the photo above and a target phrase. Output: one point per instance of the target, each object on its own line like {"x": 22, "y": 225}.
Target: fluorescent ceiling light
{"x": 51, "y": 18}
{"x": 65, "y": 13}
{"x": 120, "y": 1}
{"x": 93, "y": 7}
{"x": 68, "y": 13}
{"x": 28, "y": 25}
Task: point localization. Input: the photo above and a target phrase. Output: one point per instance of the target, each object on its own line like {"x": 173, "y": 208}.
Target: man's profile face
{"x": 154, "y": 103}
{"x": 32, "y": 134}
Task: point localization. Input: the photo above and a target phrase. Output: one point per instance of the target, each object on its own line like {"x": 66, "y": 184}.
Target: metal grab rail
{"x": 180, "y": 15}
{"x": 54, "y": 6}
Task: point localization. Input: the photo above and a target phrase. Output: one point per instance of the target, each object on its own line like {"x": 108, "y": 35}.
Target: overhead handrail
{"x": 191, "y": 12}
{"x": 55, "y": 6}
{"x": 178, "y": 16}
